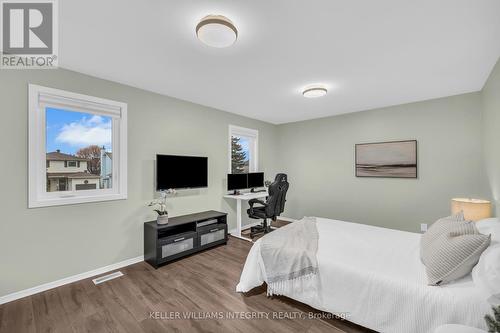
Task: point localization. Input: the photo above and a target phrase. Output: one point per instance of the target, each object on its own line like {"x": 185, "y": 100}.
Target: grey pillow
{"x": 450, "y": 249}
{"x": 436, "y": 229}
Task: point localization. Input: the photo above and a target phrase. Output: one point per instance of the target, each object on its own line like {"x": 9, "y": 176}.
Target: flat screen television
{"x": 181, "y": 172}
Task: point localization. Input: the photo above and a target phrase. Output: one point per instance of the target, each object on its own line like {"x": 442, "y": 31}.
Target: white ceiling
{"x": 368, "y": 53}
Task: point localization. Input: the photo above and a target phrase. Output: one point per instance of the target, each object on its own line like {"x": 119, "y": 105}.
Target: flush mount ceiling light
{"x": 216, "y": 31}
{"x": 314, "y": 91}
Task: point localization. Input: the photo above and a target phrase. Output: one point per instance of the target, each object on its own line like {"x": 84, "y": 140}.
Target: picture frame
{"x": 389, "y": 159}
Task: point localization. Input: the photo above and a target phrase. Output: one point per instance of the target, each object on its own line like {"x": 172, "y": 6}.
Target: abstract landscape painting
{"x": 396, "y": 159}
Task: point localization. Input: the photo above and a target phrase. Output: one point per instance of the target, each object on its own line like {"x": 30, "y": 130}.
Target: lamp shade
{"x": 474, "y": 209}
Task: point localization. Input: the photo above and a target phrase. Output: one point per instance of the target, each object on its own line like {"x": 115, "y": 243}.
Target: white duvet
{"x": 375, "y": 276}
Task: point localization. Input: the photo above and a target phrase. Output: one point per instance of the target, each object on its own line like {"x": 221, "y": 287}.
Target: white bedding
{"x": 375, "y": 276}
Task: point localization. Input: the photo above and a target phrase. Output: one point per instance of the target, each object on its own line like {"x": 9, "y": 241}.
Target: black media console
{"x": 183, "y": 235}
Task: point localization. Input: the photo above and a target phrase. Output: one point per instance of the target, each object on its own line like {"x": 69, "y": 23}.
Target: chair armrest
{"x": 252, "y": 202}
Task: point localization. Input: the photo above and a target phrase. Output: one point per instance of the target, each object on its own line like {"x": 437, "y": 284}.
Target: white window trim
{"x": 41, "y": 97}
{"x": 254, "y": 151}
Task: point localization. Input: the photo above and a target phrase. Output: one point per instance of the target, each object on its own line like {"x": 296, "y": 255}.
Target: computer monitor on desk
{"x": 236, "y": 182}
{"x": 242, "y": 181}
{"x": 255, "y": 180}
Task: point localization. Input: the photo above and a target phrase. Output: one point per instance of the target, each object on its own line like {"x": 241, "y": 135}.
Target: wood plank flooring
{"x": 275, "y": 224}
{"x": 148, "y": 300}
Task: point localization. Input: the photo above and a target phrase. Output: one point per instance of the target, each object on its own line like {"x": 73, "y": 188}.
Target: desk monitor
{"x": 237, "y": 181}
{"x": 255, "y": 179}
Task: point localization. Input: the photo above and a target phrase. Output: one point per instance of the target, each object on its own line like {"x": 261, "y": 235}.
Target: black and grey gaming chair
{"x": 273, "y": 207}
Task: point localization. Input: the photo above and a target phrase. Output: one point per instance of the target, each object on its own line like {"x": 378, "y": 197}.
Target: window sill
{"x": 72, "y": 199}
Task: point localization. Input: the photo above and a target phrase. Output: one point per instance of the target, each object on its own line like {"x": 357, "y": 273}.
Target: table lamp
{"x": 474, "y": 209}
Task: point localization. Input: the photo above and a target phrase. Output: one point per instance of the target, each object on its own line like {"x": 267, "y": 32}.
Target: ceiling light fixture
{"x": 216, "y": 31}
{"x": 314, "y": 91}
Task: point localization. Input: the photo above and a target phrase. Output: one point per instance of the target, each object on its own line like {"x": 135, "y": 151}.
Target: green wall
{"x": 47, "y": 244}
{"x": 491, "y": 133}
{"x": 319, "y": 158}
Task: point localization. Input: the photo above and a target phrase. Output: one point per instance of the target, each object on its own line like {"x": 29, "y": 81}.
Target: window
{"x": 243, "y": 149}
{"x": 77, "y": 148}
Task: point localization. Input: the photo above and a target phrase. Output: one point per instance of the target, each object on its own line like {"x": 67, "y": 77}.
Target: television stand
{"x": 183, "y": 235}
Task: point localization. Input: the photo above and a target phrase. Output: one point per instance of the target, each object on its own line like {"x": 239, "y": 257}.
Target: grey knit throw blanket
{"x": 289, "y": 256}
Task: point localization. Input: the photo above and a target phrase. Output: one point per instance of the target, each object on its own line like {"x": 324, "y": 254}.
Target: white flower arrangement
{"x": 160, "y": 204}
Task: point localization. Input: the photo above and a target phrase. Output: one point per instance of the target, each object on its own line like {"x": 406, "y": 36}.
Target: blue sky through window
{"x": 69, "y": 131}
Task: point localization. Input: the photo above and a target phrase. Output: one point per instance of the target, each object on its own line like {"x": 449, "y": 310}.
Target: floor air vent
{"x": 108, "y": 277}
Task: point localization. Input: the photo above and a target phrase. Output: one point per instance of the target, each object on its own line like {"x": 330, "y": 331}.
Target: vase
{"x": 162, "y": 219}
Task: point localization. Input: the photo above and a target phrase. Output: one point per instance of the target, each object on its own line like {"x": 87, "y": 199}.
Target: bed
{"x": 375, "y": 277}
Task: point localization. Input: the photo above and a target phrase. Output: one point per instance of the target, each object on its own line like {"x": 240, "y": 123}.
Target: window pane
{"x": 78, "y": 151}
{"x": 240, "y": 154}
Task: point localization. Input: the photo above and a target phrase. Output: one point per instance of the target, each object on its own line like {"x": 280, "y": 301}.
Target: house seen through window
{"x": 77, "y": 148}
{"x": 78, "y": 155}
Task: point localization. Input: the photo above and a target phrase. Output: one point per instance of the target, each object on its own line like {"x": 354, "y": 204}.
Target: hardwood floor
{"x": 275, "y": 224}
{"x": 148, "y": 300}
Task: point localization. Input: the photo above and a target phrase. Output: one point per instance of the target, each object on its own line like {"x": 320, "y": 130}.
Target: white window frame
{"x": 254, "y": 149}
{"x": 42, "y": 97}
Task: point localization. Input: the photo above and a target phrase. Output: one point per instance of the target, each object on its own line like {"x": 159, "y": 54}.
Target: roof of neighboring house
{"x": 58, "y": 156}
{"x": 73, "y": 175}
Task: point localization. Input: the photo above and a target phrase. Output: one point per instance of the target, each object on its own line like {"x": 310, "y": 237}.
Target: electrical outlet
{"x": 423, "y": 227}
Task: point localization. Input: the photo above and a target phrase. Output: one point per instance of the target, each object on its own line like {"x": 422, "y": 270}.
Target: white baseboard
{"x": 67, "y": 280}
{"x": 50, "y": 285}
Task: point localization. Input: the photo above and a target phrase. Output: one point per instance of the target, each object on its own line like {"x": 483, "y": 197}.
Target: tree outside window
{"x": 243, "y": 149}
{"x": 77, "y": 148}
{"x": 240, "y": 156}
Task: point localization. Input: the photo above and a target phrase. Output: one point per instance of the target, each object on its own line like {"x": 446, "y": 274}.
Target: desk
{"x": 239, "y": 199}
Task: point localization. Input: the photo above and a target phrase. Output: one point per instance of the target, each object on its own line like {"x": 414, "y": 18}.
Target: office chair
{"x": 273, "y": 207}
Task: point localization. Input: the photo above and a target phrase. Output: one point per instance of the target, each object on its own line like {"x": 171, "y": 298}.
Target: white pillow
{"x": 490, "y": 226}
{"x": 486, "y": 274}
{"x": 486, "y": 223}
